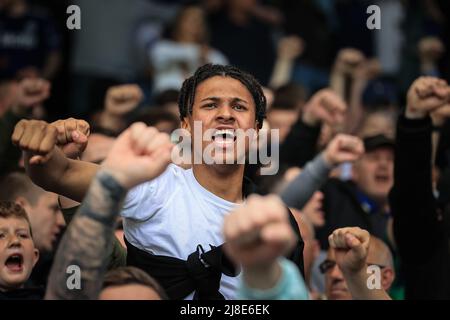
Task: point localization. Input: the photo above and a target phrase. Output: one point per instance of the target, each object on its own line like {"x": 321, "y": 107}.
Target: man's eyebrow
{"x": 215, "y": 99}
{"x": 236, "y": 99}
{"x": 211, "y": 98}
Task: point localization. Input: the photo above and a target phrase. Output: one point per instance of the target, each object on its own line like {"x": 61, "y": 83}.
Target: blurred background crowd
{"x": 130, "y": 58}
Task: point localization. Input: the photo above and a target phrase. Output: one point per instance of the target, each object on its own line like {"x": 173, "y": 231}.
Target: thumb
{"x": 79, "y": 137}
{"x": 34, "y": 160}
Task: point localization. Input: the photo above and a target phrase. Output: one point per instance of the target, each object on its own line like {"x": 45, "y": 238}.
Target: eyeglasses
{"x": 327, "y": 265}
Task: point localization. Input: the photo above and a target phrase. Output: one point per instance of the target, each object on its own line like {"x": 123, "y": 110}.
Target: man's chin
{"x": 339, "y": 294}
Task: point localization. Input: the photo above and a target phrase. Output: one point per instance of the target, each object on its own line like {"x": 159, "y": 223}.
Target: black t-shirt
{"x": 26, "y": 41}
{"x": 23, "y": 294}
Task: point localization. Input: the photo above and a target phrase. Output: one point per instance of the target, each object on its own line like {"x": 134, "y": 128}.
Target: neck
{"x": 225, "y": 181}
{"x": 185, "y": 39}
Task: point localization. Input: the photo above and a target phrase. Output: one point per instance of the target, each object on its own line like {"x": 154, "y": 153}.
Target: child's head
{"x": 18, "y": 254}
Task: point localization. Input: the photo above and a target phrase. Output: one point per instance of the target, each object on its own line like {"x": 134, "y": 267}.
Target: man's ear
{"x": 185, "y": 124}
{"x": 387, "y": 277}
{"x": 35, "y": 257}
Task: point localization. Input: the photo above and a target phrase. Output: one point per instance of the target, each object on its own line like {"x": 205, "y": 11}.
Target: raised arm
{"x": 140, "y": 154}
{"x": 418, "y": 228}
{"x": 324, "y": 108}
{"x": 351, "y": 247}
{"x": 343, "y": 148}
{"x": 29, "y": 94}
{"x": 412, "y": 200}
{"x": 46, "y": 164}
{"x": 257, "y": 236}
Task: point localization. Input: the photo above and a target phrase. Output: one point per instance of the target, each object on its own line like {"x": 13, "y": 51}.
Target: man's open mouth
{"x": 382, "y": 178}
{"x": 14, "y": 262}
{"x": 224, "y": 136}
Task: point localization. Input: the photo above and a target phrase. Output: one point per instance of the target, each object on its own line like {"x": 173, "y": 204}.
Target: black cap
{"x": 378, "y": 141}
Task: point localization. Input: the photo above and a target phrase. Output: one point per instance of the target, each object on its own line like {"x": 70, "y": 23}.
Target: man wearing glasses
{"x": 342, "y": 272}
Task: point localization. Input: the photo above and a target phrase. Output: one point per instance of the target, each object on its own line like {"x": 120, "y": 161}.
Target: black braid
{"x": 187, "y": 93}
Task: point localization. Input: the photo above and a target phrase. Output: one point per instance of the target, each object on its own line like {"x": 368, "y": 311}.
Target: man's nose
{"x": 60, "y": 222}
{"x": 225, "y": 113}
{"x": 335, "y": 273}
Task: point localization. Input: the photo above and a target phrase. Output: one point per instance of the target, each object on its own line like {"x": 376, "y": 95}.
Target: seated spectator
{"x": 18, "y": 255}
{"x": 184, "y": 50}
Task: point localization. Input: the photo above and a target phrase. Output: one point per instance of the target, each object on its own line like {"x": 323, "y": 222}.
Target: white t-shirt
{"x": 173, "y": 214}
{"x": 169, "y": 60}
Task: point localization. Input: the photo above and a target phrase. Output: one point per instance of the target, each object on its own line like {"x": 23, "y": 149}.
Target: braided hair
{"x": 187, "y": 93}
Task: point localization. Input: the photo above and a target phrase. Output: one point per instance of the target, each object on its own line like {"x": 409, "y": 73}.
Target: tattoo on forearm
{"x": 88, "y": 241}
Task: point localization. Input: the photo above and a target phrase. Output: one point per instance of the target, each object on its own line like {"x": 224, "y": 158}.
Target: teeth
{"x": 227, "y": 133}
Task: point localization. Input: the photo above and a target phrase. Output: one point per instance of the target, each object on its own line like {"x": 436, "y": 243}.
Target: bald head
{"x": 379, "y": 253}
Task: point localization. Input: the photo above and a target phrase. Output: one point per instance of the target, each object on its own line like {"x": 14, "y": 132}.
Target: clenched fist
{"x": 72, "y": 136}
{"x": 427, "y": 95}
{"x": 343, "y": 148}
{"x": 258, "y": 232}
{"x": 38, "y": 138}
{"x": 324, "y": 107}
{"x": 139, "y": 154}
{"x": 351, "y": 247}
{"x": 348, "y": 60}
{"x": 30, "y": 93}
{"x": 123, "y": 99}
{"x": 290, "y": 47}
